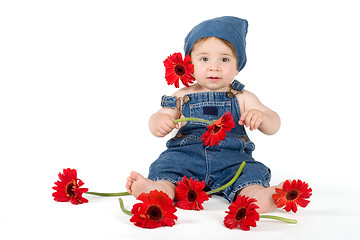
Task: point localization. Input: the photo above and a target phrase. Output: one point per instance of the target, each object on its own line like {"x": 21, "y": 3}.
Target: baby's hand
{"x": 252, "y": 118}
{"x": 162, "y": 124}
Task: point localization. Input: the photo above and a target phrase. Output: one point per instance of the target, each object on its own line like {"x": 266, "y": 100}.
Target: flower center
{"x": 217, "y": 129}
{"x": 191, "y": 196}
{"x": 292, "y": 195}
{"x": 241, "y": 214}
{"x": 180, "y": 70}
{"x": 154, "y": 212}
{"x": 70, "y": 189}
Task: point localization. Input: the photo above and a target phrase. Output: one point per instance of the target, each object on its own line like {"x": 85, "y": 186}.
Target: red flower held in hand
{"x": 68, "y": 188}
{"x": 156, "y": 210}
{"x": 292, "y": 194}
{"x": 190, "y": 194}
{"x": 217, "y": 131}
{"x": 176, "y": 68}
{"x": 242, "y": 213}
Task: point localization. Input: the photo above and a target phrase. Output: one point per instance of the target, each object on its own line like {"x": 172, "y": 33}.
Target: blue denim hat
{"x": 231, "y": 29}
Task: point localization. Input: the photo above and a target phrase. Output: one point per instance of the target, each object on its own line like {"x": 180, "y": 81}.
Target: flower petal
{"x": 187, "y": 69}
{"x": 197, "y": 197}
{"x": 291, "y": 205}
{"x": 217, "y": 131}
{"x": 68, "y": 188}
{"x": 244, "y": 222}
{"x": 162, "y": 201}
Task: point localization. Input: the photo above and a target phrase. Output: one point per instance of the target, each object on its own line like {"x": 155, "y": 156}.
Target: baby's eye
{"x": 225, "y": 59}
{"x": 204, "y": 59}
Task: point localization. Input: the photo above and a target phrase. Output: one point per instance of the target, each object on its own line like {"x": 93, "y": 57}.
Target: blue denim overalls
{"x": 187, "y": 155}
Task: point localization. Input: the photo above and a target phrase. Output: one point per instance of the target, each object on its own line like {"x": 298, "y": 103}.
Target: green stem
{"x": 287, "y": 220}
{"x": 192, "y": 119}
{"x": 114, "y": 195}
{"x": 230, "y": 182}
{"x": 109, "y": 194}
{"x": 123, "y": 208}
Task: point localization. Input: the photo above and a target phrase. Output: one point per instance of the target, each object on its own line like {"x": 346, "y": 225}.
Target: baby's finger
{"x": 255, "y": 123}
{"x": 248, "y": 118}
{"x": 243, "y": 117}
{"x": 158, "y": 134}
{"x": 165, "y": 130}
{"x": 161, "y": 132}
{"x": 169, "y": 126}
{"x": 258, "y": 122}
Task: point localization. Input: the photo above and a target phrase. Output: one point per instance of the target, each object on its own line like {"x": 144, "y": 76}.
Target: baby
{"x": 217, "y": 50}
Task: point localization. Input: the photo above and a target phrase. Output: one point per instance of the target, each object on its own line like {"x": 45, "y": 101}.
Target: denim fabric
{"x": 187, "y": 155}
{"x": 169, "y": 101}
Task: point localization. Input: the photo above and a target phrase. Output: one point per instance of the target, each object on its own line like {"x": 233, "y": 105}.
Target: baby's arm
{"x": 257, "y": 116}
{"x": 161, "y": 123}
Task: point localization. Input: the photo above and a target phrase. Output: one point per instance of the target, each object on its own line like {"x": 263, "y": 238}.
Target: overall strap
{"x": 236, "y": 85}
{"x": 168, "y": 102}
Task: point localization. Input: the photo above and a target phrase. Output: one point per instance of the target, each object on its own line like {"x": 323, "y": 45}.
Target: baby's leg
{"x": 263, "y": 196}
{"x": 137, "y": 184}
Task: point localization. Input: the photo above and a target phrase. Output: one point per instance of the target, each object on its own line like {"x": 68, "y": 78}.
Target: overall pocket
{"x": 210, "y": 111}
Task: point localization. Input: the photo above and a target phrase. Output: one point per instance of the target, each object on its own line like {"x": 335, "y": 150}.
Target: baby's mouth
{"x": 214, "y": 78}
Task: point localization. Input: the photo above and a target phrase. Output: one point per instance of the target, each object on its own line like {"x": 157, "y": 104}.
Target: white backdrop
{"x": 80, "y": 79}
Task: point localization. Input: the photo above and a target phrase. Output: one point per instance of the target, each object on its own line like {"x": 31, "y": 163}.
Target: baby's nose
{"x": 214, "y": 67}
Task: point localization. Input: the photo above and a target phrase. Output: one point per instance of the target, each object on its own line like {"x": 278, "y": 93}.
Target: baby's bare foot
{"x": 262, "y": 195}
{"x": 137, "y": 184}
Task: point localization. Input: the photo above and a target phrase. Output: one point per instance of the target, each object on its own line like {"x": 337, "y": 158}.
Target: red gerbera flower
{"x": 156, "y": 210}
{"x": 190, "y": 194}
{"x": 242, "y": 213}
{"x": 217, "y": 131}
{"x": 68, "y": 188}
{"x": 176, "y": 68}
{"x": 292, "y": 194}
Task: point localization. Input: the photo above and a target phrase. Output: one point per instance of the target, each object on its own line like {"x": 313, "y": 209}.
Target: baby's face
{"x": 214, "y": 64}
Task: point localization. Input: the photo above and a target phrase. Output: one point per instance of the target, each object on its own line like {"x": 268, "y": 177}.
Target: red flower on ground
{"x": 176, "y": 68}
{"x": 217, "y": 131}
{"x": 190, "y": 194}
{"x": 156, "y": 210}
{"x": 242, "y": 213}
{"x": 68, "y": 188}
{"x": 292, "y": 194}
